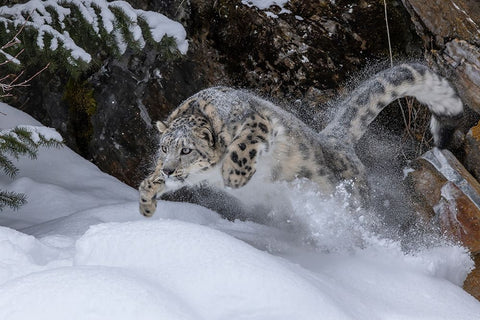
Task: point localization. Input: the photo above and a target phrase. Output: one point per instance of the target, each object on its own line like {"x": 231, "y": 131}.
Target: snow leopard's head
{"x": 187, "y": 146}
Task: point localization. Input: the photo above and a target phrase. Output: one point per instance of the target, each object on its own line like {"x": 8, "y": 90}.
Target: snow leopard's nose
{"x": 168, "y": 171}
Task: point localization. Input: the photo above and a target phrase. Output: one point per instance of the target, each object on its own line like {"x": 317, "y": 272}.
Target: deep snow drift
{"x": 80, "y": 250}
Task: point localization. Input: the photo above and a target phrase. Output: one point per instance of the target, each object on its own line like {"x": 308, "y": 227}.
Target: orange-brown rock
{"x": 459, "y": 216}
{"x": 447, "y": 20}
{"x": 472, "y": 283}
{"x": 447, "y": 192}
{"x": 472, "y": 151}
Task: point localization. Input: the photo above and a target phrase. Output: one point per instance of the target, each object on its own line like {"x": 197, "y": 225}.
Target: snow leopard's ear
{"x": 161, "y": 127}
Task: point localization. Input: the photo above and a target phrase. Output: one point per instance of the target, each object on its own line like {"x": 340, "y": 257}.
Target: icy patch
{"x": 444, "y": 162}
{"x": 144, "y": 114}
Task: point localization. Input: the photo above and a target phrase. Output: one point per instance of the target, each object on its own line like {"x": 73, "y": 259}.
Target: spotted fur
{"x": 224, "y": 135}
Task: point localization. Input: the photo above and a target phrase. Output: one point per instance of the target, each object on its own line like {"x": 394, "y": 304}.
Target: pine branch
{"x": 8, "y": 167}
{"x": 17, "y": 142}
{"x": 74, "y": 25}
{"x": 12, "y": 200}
{"x": 22, "y": 140}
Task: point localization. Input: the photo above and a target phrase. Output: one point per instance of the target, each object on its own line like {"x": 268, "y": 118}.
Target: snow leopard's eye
{"x": 185, "y": 151}
{"x": 164, "y": 149}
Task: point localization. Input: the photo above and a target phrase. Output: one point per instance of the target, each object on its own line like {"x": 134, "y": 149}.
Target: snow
{"x": 265, "y": 4}
{"x": 80, "y": 250}
{"x": 36, "y": 132}
{"x": 9, "y": 58}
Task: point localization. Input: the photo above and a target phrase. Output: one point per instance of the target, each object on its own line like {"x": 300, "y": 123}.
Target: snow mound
{"x": 216, "y": 270}
{"x": 87, "y": 293}
{"x": 80, "y": 250}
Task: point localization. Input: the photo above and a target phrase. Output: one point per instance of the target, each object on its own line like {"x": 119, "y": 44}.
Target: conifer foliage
{"x": 17, "y": 142}
{"x": 77, "y": 29}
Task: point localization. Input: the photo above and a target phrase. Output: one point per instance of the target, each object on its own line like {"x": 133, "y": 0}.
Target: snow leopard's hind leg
{"x": 347, "y": 167}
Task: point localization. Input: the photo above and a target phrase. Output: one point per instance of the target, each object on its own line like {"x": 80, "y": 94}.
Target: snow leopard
{"x": 225, "y": 136}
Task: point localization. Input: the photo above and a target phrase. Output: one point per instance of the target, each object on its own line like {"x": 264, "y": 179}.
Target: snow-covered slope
{"x": 80, "y": 250}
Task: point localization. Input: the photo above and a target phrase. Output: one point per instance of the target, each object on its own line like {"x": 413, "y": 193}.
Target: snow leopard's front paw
{"x": 149, "y": 188}
{"x": 238, "y": 167}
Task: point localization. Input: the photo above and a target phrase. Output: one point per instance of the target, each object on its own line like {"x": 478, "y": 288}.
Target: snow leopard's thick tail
{"x": 411, "y": 79}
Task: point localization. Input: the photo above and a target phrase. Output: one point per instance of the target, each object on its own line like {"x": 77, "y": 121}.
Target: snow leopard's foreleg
{"x": 240, "y": 162}
{"x": 149, "y": 188}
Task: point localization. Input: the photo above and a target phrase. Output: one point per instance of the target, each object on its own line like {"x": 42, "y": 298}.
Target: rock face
{"x": 131, "y": 92}
{"x": 284, "y": 52}
{"x": 450, "y": 31}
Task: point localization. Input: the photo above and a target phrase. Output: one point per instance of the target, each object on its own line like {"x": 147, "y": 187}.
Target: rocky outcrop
{"x": 448, "y": 196}
{"x": 450, "y": 31}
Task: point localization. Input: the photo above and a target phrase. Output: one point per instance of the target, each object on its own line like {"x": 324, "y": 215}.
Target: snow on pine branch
{"x": 48, "y": 18}
{"x": 32, "y": 135}
{"x": 23, "y": 140}
{"x": 40, "y": 134}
